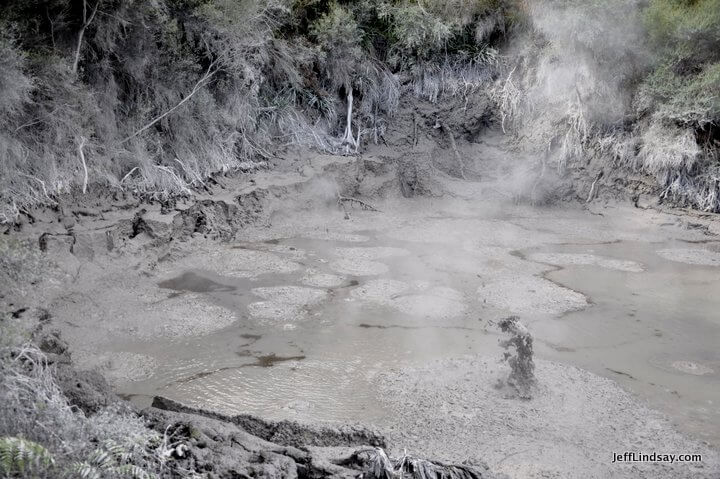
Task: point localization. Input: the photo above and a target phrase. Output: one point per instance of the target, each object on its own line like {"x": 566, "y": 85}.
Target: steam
{"x": 577, "y": 68}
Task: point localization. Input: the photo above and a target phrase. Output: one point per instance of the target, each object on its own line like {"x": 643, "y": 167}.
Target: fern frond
{"x": 85, "y": 470}
{"x": 18, "y": 455}
{"x": 131, "y": 471}
{"x": 101, "y": 458}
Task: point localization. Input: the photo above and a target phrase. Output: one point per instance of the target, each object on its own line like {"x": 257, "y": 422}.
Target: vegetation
{"x": 681, "y": 96}
{"x": 629, "y": 85}
{"x": 154, "y": 97}
{"x": 41, "y": 435}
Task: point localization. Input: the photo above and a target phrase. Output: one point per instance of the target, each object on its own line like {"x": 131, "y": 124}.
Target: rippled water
{"x": 637, "y": 303}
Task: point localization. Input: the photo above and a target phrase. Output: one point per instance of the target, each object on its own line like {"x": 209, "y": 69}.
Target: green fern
{"x": 132, "y": 471}
{"x": 19, "y": 456}
{"x": 109, "y": 461}
{"x": 85, "y": 470}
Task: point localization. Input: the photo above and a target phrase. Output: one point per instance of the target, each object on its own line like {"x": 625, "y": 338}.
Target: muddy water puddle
{"x": 310, "y": 337}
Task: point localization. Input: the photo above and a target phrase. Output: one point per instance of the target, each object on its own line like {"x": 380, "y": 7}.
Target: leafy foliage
{"x": 20, "y": 456}
{"x": 685, "y": 86}
{"x": 113, "y": 460}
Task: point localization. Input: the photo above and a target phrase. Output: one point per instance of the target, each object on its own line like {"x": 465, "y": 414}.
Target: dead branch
{"x": 212, "y": 70}
{"x": 128, "y": 174}
{"x": 42, "y": 184}
{"x": 86, "y": 23}
{"x": 347, "y": 199}
{"x": 509, "y": 94}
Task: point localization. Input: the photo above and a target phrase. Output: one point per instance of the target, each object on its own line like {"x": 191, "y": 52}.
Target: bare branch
{"x": 42, "y": 184}
{"x": 347, "y": 199}
{"x": 128, "y": 174}
{"x": 212, "y": 69}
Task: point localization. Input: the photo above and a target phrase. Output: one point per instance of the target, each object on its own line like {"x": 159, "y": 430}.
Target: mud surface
{"x": 390, "y": 319}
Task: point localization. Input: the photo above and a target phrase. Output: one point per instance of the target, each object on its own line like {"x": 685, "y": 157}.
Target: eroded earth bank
{"x": 277, "y": 295}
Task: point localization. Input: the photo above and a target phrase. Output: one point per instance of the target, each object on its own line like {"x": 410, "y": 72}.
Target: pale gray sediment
{"x": 530, "y": 295}
{"x": 570, "y": 428}
{"x": 358, "y": 267}
{"x": 566, "y": 259}
{"x": 322, "y": 280}
{"x": 691, "y": 256}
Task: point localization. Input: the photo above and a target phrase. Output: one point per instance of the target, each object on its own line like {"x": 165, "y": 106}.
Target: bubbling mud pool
{"x": 320, "y": 310}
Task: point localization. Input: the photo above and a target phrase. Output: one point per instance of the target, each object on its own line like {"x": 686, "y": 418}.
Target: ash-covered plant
{"x": 519, "y": 355}
{"x": 458, "y": 76}
{"x": 42, "y": 435}
{"x": 570, "y": 79}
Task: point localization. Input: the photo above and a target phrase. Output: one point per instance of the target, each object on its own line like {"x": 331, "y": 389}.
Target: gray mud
{"x": 390, "y": 319}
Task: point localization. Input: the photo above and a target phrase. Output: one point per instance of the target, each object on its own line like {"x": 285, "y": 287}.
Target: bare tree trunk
{"x": 591, "y": 195}
{"x": 86, "y": 23}
{"x": 52, "y": 27}
{"x": 348, "y": 138}
{"x": 81, "y": 145}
